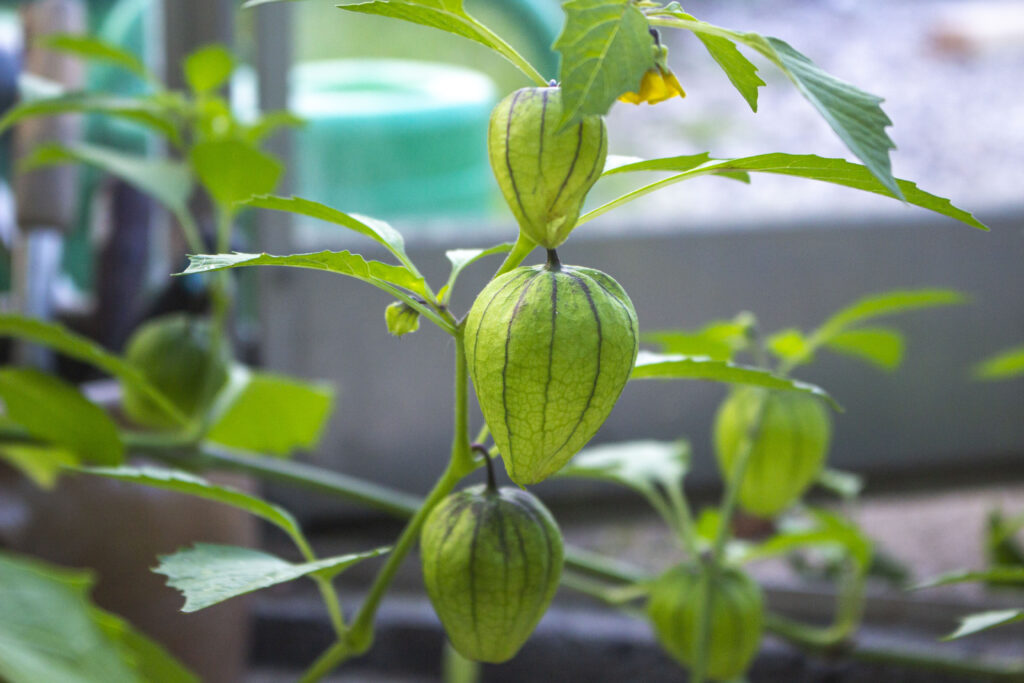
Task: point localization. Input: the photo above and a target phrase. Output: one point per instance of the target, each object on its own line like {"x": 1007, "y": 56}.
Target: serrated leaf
{"x": 445, "y": 16}
{"x": 96, "y": 49}
{"x": 1004, "y": 365}
{"x": 810, "y": 166}
{"x": 640, "y": 465}
{"x": 377, "y": 230}
{"x": 982, "y": 621}
{"x": 63, "y": 340}
{"x": 208, "y": 574}
{"x": 54, "y": 411}
{"x": 741, "y": 71}
{"x": 41, "y": 464}
{"x": 671, "y": 366}
{"x": 169, "y": 182}
{"x": 189, "y": 484}
{"x": 232, "y": 171}
{"x": 47, "y": 628}
{"x": 208, "y": 68}
{"x": 993, "y": 574}
{"x": 606, "y": 48}
{"x": 881, "y": 346}
{"x": 145, "y": 111}
{"x": 275, "y": 415}
{"x": 461, "y": 259}
{"x": 148, "y": 658}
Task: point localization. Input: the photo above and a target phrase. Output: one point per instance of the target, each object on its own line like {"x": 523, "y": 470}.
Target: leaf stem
{"x": 520, "y": 250}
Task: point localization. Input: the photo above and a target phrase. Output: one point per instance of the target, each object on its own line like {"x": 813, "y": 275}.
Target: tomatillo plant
{"x": 548, "y": 349}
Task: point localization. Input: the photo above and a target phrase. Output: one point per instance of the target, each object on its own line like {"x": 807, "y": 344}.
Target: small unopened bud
{"x": 401, "y": 318}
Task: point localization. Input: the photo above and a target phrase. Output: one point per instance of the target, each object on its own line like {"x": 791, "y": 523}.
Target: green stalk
{"x": 520, "y": 250}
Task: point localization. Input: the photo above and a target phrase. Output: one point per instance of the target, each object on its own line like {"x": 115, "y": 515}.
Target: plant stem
{"x": 520, "y": 250}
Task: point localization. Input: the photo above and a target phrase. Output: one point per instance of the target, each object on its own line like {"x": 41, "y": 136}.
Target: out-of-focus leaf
{"x": 881, "y": 346}
{"x": 1003, "y": 575}
{"x": 271, "y": 122}
{"x": 788, "y": 343}
{"x": 208, "y": 68}
{"x": 718, "y": 340}
{"x": 232, "y": 171}
{"x": 145, "y": 111}
{"x": 148, "y": 658}
{"x": 606, "y": 48}
{"x": 845, "y": 484}
{"x": 1003, "y": 365}
{"x": 169, "y": 182}
{"x": 639, "y": 465}
{"x": 41, "y": 464}
{"x": 208, "y": 574}
{"x": 63, "y": 340}
{"x": 982, "y": 621}
{"x": 54, "y": 411}
{"x": 669, "y": 366}
{"x": 1001, "y": 545}
{"x": 275, "y": 414}
{"x": 461, "y": 258}
{"x": 885, "y": 304}
{"x": 826, "y": 529}
{"x": 96, "y": 49}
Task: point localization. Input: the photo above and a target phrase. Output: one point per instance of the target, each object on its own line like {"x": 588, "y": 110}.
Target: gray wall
{"x": 392, "y": 418}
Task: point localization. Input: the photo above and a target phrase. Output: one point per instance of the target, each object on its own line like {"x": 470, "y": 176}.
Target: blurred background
{"x": 395, "y": 128}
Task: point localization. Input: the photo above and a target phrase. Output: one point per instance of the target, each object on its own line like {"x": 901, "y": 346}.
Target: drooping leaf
{"x": 823, "y": 529}
{"x": 146, "y": 111}
{"x": 741, "y": 72}
{"x": 885, "y": 304}
{"x": 208, "y": 68}
{"x": 462, "y": 258}
{"x": 233, "y": 171}
{"x": 377, "y": 230}
{"x": 671, "y": 366}
{"x": 148, "y": 658}
{"x": 993, "y": 574}
{"x": 63, "y": 340}
{"x": 810, "y": 166}
{"x": 982, "y": 621}
{"x": 1004, "y": 365}
{"x": 97, "y": 49}
{"x": 208, "y": 574}
{"x": 47, "y": 629}
{"x": 881, "y": 346}
{"x": 40, "y": 463}
{"x": 54, "y": 411}
{"x": 275, "y": 415}
{"x": 640, "y": 465}
{"x": 606, "y": 48}
{"x": 169, "y": 182}
{"x": 189, "y": 484}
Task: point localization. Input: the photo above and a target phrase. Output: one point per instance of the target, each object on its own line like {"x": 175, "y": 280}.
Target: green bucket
{"x": 393, "y": 138}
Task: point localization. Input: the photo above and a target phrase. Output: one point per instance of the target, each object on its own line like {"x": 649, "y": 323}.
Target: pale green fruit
{"x": 550, "y": 349}
{"x": 491, "y": 564}
{"x": 790, "y": 450}
{"x": 544, "y": 173}
{"x": 174, "y": 353}
{"x": 737, "y": 613}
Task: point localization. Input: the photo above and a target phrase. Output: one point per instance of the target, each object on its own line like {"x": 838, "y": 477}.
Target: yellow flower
{"x": 658, "y": 84}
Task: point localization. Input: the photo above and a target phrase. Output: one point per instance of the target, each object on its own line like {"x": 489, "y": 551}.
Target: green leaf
{"x": 169, "y": 182}
{"x": 63, "y": 340}
{"x": 993, "y": 574}
{"x": 810, "y": 166}
{"x": 885, "y": 304}
{"x": 718, "y": 340}
{"x": 377, "y": 230}
{"x": 148, "y": 658}
{"x": 275, "y": 414}
{"x": 640, "y": 465}
{"x": 1003, "y": 365}
{"x": 41, "y": 464}
{"x": 47, "y": 629}
{"x": 189, "y": 484}
{"x": 208, "y": 68}
{"x": 461, "y": 258}
{"x": 392, "y": 279}
{"x": 741, "y": 72}
{"x": 270, "y": 122}
{"x": 788, "y": 343}
{"x": 146, "y": 111}
{"x": 232, "y": 171}
{"x": 208, "y": 574}
{"x": 845, "y": 484}
{"x": 823, "y": 529}
{"x": 606, "y": 48}
{"x": 672, "y": 366}
{"x": 981, "y": 621}
{"x": 96, "y": 49}
{"x": 53, "y": 410}
{"x": 879, "y": 345}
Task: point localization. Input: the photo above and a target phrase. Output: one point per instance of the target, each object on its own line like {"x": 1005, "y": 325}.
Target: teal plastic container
{"x": 393, "y": 138}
